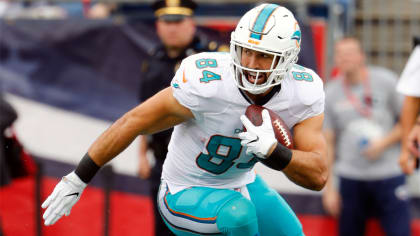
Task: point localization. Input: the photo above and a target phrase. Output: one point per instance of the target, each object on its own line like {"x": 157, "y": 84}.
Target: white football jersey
{"x": 206, "y": 150}
{"x": 409, "y": 83}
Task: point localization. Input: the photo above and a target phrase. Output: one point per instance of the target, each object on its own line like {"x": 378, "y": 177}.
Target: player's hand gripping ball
{"x": 264, "y": 129}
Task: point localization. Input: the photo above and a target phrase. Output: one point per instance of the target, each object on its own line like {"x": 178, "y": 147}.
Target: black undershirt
{"x": 263, "y": 100}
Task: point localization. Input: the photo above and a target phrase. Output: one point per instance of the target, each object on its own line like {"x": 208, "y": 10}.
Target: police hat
{"x": 173, "y": 10}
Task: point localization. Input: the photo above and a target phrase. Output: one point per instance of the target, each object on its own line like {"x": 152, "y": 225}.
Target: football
{"x": 281, "y": 131}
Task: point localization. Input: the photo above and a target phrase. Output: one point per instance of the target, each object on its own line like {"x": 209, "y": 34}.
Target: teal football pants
{"x": 210, "y": 211}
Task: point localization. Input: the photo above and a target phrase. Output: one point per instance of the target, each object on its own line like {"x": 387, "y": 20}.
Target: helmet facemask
{"x": 281, "y": 64}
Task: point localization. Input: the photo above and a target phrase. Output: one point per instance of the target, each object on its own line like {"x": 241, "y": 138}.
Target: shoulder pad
{"x": 297, "y": 67}
{"x": 309, "y": 86}
{"x": 204, "y": 69}
{"x": 199, "y": 77}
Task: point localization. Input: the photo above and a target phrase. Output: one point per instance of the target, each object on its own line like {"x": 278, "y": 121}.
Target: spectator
{"x": 409, "y": 85}
{"x": 361, "y": 111}
{"x": 176, "y": 29}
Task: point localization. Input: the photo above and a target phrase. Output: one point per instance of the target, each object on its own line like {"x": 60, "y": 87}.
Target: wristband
{"x": 86, "y": 169}
{"x": 279, "y": 158}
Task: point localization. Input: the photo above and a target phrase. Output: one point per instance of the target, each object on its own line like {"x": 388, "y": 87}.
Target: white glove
{"x": 259, "y": 140}
{"x": 66, "y": 193}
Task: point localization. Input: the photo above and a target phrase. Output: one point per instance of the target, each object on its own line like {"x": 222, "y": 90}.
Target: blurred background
{"x": 69, "y": 68}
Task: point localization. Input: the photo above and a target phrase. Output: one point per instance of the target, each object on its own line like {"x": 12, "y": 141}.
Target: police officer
{"x": 176, "y": 29}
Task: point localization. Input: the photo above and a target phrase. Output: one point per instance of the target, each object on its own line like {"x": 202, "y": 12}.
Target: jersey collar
{"x": 263, "y": 100}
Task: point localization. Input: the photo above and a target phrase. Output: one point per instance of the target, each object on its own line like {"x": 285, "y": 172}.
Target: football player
{"x": 208, "y": 183}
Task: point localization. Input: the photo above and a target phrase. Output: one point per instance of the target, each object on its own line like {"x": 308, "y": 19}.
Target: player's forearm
{"x": 308, "y": 169}
{"x": 114, "y": 140}
{"x": 158, "y": 113}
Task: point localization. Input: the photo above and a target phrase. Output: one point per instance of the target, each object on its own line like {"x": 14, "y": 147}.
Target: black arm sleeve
{"x": 86, "y": 169}
{"x": 279, "y": 159}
